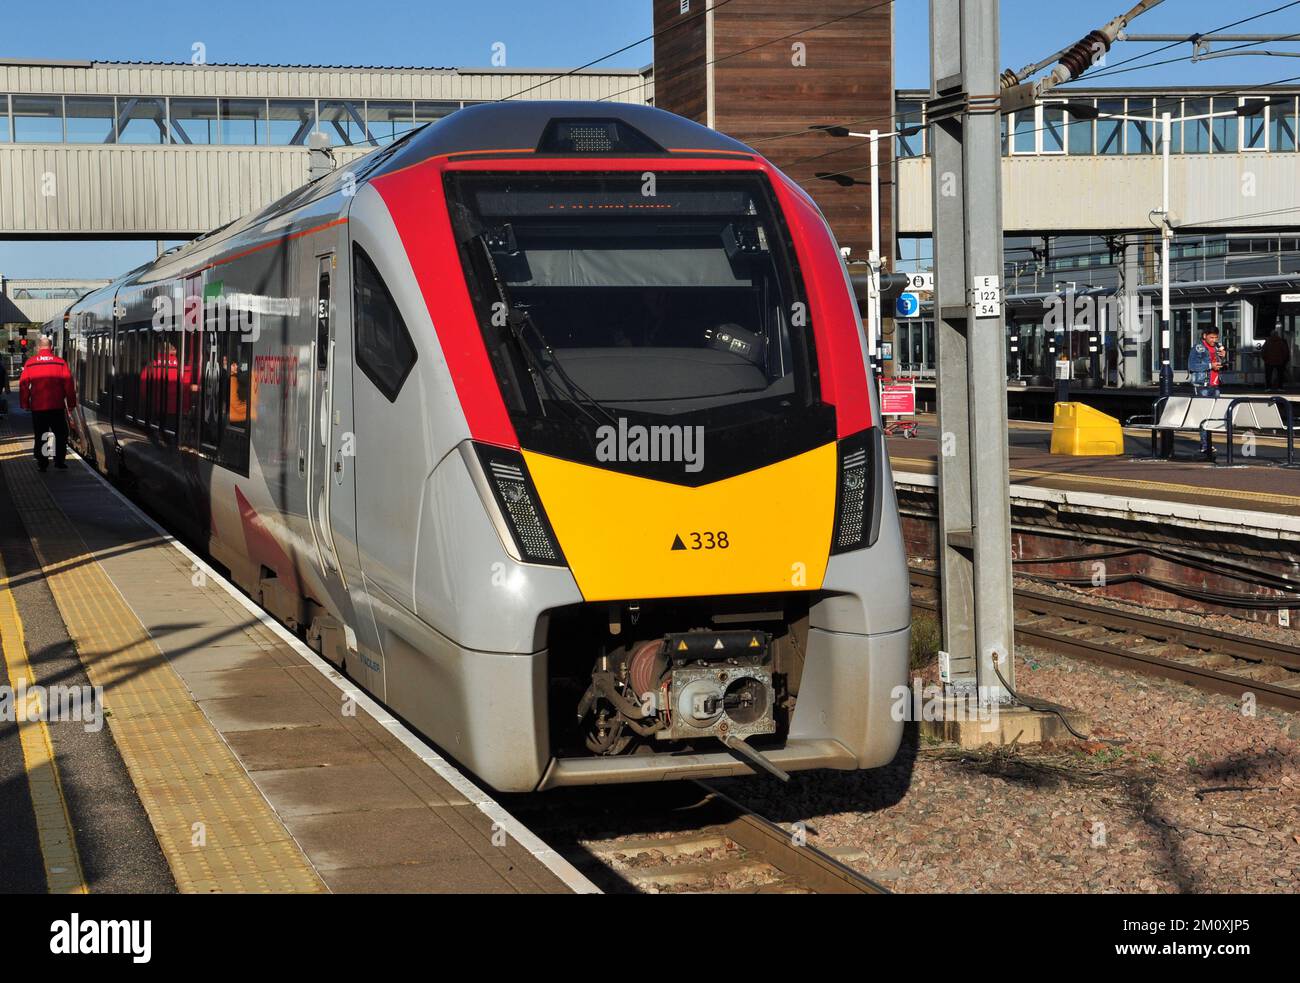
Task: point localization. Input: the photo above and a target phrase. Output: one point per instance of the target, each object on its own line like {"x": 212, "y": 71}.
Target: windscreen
{"x": 669, "y": 298}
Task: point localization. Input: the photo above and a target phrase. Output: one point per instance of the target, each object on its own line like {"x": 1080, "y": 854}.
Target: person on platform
{"x": 1277, "y": 355}
{"x": 46, "y": 389}
{"x": 1204, "y": 364}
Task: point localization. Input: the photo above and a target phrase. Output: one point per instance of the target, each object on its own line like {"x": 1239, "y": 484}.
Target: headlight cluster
{"x": 855, "y": 494}
{"x": 517, "y": 499}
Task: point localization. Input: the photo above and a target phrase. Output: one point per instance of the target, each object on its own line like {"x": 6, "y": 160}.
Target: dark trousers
{"x": 1272, "y": 372}
{"x": 49, "y": 421}
{"x": 1207, "y": 443}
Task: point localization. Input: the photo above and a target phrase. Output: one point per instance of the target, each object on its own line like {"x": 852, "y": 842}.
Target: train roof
{"x": 491, "y": 128}
{"x": 494, "y": 127}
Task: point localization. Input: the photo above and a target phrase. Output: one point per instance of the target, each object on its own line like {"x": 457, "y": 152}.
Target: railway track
{"x": 1211, "y": 660}
{"x": 684, "y": 838}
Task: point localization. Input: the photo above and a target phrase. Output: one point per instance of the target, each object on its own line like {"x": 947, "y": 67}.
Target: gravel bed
{"x": 1200, "y": 798}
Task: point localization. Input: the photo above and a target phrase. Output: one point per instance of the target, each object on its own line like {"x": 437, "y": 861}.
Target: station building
{"x": 1080, "y": 236}
{"x": 26, "y": 304}
{"x": 104, "y": 150}
{"x": 164, "y": 151}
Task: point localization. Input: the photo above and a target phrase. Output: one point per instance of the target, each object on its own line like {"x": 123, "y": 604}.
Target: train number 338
{"x": 709, "y": 540}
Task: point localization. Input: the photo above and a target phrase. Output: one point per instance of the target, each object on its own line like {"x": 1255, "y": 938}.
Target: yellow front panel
{"x": 766, "y": 530}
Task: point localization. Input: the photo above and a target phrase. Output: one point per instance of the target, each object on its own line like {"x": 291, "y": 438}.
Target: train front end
{"x": 681, "y": 417}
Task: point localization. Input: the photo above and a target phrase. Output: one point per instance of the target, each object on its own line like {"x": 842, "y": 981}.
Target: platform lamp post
{"x": 874, "y": 260}
{"x": 1166, "y": 120}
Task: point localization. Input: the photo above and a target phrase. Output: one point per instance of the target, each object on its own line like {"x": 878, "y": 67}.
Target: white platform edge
{"x": 1180, "y": 513}
{"x": 530, "y": 841}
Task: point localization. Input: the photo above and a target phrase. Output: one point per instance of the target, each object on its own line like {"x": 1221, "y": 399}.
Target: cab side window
{"x": 384, "y": 350}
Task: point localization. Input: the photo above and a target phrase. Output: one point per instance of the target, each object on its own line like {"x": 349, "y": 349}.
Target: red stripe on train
{"x": 415, "y": 199}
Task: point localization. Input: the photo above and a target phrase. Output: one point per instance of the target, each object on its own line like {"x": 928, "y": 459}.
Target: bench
{"x": 1221, "y": 414}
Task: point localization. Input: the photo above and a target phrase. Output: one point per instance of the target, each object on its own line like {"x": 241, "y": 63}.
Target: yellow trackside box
{"x": 1081, "y": 431}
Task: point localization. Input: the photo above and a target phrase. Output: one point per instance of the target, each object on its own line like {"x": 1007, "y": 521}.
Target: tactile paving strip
{"x": 215, "y": 828}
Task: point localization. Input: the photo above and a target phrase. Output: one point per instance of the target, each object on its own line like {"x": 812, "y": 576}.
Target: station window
{"x": 1173, "y": 108}
{"x": 38, "y": 119}
{"x": 291, "y": 121}
{"x": 344, "y": 121}
{"x": 910, "y": 113}
{"x": 90, "y": 119}
{"x": 1196, "y": 132}
{"x": 1282, "y": 127}
{"x": 194, "y": 121}
{"x": 1024, "y": 133}
{"x": 1181, "y": 342}
{"x": 4, "y": 118}
{"x": 1080, "y": 138}
{"x": 1110, "y": 132}
{"x": 387, "y": 121}
{"x": 1230, "y": 325}
{"x": 1140, "y": 137}
{"x": 1224, "y": 128}
{"x": 1053, "y": 129}
{"x": 1254, "y": 126}
{"x": 915, "y": 254}
{"x": 141, "y": 119}
{"x": 385, "y": 352}
{"x": 243, "y": 121}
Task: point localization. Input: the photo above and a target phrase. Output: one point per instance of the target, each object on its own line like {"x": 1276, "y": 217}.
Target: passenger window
{"x": 236, "y": 364}
{"x": 385, "y": 352}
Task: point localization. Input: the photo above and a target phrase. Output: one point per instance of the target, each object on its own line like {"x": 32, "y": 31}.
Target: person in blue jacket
{"x": 1203, "y": 364}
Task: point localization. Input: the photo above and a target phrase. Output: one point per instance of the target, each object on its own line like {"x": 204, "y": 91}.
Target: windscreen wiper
{"x": 517, "y": 319}
{"x": 576, "y": 395}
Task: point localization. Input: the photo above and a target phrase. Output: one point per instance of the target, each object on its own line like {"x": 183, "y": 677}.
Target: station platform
{"x": 1035, "y": 402}
{"x": 228, "y": 756}
{"x": 1256, "y": 491}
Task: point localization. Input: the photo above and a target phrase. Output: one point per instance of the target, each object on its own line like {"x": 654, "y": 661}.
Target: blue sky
{"x": 537, "y": 34}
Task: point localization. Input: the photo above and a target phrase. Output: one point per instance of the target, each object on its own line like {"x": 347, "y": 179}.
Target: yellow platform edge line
{"x": 251, "y": 848}
{"x": 1292, "y": 500}
{"x": 54, "y": 830}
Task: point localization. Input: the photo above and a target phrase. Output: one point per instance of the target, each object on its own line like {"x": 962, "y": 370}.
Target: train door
{"x": 190, "y": 362}
{"x": 331, "y": 479}
{"x": 326, "y": 464}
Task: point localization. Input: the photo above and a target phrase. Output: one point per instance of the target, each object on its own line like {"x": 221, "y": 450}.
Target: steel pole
{"x": 974, "y": 505}
{"x": 873, "y": 343}
{"x": 1166, "y": 369}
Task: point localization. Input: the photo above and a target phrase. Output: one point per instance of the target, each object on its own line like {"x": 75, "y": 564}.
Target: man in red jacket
{"x": 46, "y": 389}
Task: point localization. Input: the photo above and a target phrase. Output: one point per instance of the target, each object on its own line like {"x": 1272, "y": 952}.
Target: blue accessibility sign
{"x": 907, "y": 305}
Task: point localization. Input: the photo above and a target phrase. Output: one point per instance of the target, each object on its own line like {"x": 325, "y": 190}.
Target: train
{"x": 552, "y": 426}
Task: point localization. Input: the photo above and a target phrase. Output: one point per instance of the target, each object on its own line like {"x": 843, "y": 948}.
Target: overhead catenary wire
{"x": 763, "y": 44}
{"x": 714, "y": 5}
{"x": 1174, "y": 44}
{"x": 1076, "y": 59}
{"x": 891, "y": 118}
{"x": 1239, "y": 90}
{"x": 1115, "y": 70}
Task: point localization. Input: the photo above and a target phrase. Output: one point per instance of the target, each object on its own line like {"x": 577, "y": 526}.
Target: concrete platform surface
{"x": 247, "y": 763}
{"x": 1254, "y": 484}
